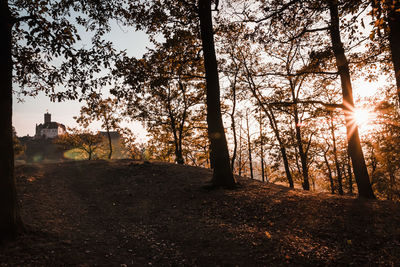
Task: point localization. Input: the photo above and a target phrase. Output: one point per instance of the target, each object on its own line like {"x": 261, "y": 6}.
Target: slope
{"x": 130, "y": 213}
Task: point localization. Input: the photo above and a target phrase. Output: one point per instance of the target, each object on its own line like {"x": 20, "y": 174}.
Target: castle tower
{"x": 47, "y": 117}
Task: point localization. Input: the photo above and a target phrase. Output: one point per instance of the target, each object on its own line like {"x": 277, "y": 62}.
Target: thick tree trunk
{"x": 353, "y": 138}
{"x": 394, "y": 41}
{"x": 222, "y": 175}
{"x": 10, "y": 222}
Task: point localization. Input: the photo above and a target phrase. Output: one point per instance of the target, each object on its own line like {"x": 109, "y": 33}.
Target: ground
{"x": 131, "y": 213}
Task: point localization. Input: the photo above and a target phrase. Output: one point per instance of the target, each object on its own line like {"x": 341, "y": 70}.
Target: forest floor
{"x": 131, "y": 213}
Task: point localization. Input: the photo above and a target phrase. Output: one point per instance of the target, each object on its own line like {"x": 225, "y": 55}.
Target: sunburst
{"x": 363, "y": 116}
{"x": 360, "y": 117}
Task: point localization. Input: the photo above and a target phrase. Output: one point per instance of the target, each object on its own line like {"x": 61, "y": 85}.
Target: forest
{"x": 301, "y": 93}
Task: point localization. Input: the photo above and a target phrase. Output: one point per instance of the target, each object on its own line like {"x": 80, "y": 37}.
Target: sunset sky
{"x": 30, "y": 112}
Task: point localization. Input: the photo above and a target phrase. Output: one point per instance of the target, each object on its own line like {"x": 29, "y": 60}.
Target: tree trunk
{"x": 222, "y": 175}
{"x": 233, "y": 126}
{"x": 249, "y": 146}
{"x": 10, "y": 221}
{"x": 270, "y": 115}
{"x": 353, "y": 138}
{"x": 178, "y": 154}
{"x": 268, "y": 111}
{"x": 350, "y": 179}
{"x": 109, "y": 144}
{"x": 262, "y": 150}
{"x": 299, "y": 139}
{"x": 392, "y": 184}
{"x": 337, "y": 165}
{"x": 394, "y": 41}
{"x": 329, "y": 172}
{"x": 272, "y": 120}
{"x": 303, "y": 156}
{"x": 240, "y": 149}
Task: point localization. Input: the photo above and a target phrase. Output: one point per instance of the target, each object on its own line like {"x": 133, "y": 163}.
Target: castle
{"x": 49, "y": 129}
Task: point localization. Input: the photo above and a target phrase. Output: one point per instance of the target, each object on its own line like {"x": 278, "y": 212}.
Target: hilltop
{"x": 124, "y": 213}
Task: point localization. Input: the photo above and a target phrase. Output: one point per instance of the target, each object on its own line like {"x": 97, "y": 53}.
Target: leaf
{"x": 268, "y": 235}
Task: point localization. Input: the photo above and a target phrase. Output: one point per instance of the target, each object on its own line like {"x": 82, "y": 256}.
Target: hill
{"x": 124, "y": 213}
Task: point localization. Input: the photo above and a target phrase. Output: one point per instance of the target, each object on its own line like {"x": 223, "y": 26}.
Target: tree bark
{"x": 337, "y": 165}
{"x": 249, "y": 146}
{"x": 222, "y": 175}
{"x": 329, "y": 171}
{"x": 274, "y": 126}
{"x": 233, "y": 124}
{"x": 350, "y": 180}
{"x": 240, "y": 149}
{"x": 179, "y": 154}
{"x": 110, "y": 150}
{"x": 394, "y": 41}
{"x": 353, "y": 138}
{"x": 299, "y": 138}
{"x": 177, "y": 133}
{"x": 303, "y": 155}
{"x": 10, "y": 221}
{"x": 262, "y": 149}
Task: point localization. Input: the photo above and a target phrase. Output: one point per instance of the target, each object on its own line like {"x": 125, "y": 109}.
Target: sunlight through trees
{"x": 263, "y": 89}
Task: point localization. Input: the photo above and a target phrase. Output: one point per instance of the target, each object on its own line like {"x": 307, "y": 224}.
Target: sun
{"x": 363, "y": 116}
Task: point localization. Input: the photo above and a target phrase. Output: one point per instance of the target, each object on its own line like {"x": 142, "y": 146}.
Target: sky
{"x": 31, "y": 111}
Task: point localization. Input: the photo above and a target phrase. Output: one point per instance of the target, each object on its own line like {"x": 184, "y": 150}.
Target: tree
{"x": 168, "y": 87}
{"x": 325, "y": 153}
{"x": 222, "y": 175}
{"x": 36, "y": 35}
{"x": 249, "y": 144}
{"x": 385, "y": 152}
{"x": 166, "y": 18}
{"x": 354, "y": 143}
{"x": 263, "y": 104}
{"x": 103, "y": 110}
{"x": 306, "y": 17}
{"x": 387, "y": 18}
{"x": 85, "y": 141}
{"x": 18, "y": 147}
{"x": 335, "y": 155}
{"x": 10, "y": 221}
{"x": 132, "y": 149}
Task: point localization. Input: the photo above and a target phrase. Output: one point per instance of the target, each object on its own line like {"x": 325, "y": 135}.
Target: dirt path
{"x": 125, "y": 213}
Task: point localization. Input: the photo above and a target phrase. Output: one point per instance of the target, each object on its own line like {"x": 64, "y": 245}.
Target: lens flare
{"x": 363, "y": 116}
